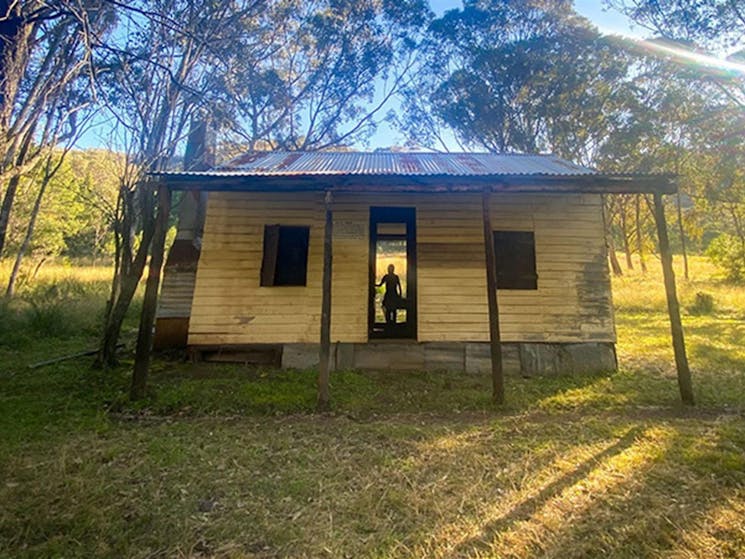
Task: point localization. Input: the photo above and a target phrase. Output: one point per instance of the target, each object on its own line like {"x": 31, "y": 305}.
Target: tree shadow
{"x": 673, "y": 498}
{"x": 530, "y": 506}
{"x": 715, "y": 357}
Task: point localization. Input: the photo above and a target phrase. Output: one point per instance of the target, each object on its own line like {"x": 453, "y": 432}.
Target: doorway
{"x": 392, "y": 243}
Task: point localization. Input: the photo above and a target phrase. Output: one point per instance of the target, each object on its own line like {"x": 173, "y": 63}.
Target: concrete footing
{"x": 519, "y": 358}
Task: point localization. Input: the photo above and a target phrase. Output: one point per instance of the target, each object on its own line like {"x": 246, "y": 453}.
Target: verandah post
{"x": 676, "y": 327}
{"x": 324, "y": 398}
{"x": 491, "y": 293}
{"x": 150, "y": 301}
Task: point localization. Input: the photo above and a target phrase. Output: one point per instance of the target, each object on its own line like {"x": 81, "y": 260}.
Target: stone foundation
{"x": 518, "y": 358}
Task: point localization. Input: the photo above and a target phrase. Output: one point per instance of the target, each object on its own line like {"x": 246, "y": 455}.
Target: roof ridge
{"x": 389, "y": 152}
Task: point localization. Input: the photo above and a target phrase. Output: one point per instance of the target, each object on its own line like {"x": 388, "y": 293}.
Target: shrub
{"x": 52, "y": 310}
{"x": 703, "y": 304}
{"x": 50, "y": 320}
{"x": 12, "y": 328}
{"x": 728, "y": 252}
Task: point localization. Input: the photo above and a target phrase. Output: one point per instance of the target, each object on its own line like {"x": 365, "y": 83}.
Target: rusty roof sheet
{"x": 279, "y": 163}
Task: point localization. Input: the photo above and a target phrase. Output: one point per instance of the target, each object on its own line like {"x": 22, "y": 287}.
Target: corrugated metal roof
{"x": 279, "y": 163}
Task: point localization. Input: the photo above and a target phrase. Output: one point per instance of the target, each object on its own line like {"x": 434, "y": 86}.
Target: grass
{"x": 227, "y": 461}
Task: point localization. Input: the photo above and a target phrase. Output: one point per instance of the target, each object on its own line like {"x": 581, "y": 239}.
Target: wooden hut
{"x": 291, "y": 246}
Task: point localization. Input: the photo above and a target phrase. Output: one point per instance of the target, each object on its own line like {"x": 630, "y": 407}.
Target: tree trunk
{"x": 682, "y": 232}
{"x": 10, "y": 192}
{"x": 150, "y": 302}
{"x": 614, "y": 263}
{"x": 112, "y": 330}
{"x": 9, "y": 292}
{"x": 625, "y": 235}
{"x": 609, "y": 243}
{"x": 640, "y": 234}
{"x": 676, "y": 326}
{"x": 14, "y": 56}
{"x": 38, "y": 267}
{"x": 126, "y": 276}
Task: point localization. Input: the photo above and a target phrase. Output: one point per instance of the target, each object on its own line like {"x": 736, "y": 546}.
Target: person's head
{"x": 391, "y": 268}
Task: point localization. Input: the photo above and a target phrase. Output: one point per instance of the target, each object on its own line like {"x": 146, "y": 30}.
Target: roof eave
{"x": 590, "y": 183}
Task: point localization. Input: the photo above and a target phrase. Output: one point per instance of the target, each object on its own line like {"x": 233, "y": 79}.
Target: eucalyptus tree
{"x": 657, "y": 135}
{"x": 154, "y": 75}
{"x": 45, "y": 68}
{"x": 720, "y": 172}
{"x": 517, "y": 75}
{"x": 720, "y": 24}
{"x": 315, "y": 74}
{"x": 716, "y": 152}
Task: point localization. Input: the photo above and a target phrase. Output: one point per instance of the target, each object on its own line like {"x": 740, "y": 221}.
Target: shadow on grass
{"x": 527, "y": 508}
{"x": 673, "y": 496}
{"x": 715, "y": 357}
{"x": 642, "y": 496}
{"x": 390, "y": 486}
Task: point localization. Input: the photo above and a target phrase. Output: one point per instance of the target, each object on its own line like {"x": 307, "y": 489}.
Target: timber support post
{"x": 676, "y": 326}
{"x": 150, "y": 300}
{"x": 324, "y": 398}
{"x": 495, "y": 341}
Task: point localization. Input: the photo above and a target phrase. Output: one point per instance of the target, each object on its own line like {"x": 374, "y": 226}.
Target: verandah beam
{"x": 491, "y": 293}
{"x": 676, "y": 326}
{"x": 324, "y": 398}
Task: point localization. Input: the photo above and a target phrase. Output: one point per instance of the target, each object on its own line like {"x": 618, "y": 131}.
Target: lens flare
{"x": 691, "y": 58}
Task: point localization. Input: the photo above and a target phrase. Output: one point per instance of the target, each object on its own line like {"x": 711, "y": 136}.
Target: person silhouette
{"x": 393, "y": 294}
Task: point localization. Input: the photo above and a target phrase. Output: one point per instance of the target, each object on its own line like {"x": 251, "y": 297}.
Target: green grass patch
{"x": 230, "y": 461}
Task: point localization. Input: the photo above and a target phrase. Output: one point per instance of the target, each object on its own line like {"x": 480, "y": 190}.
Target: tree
{"x": 707, "y": 26}
{"x": 45, "y": 62}
{"x": 721, "y": 192}
{"x": 678, "y": 122}
{"x": 157, "y": 76}
{"x": 307, "y": 75}
{"x": 50, "y": 167}
{"x": 62, "y": 208}
{"x": 717, "y": 23}
{"x": 521, "y": 75}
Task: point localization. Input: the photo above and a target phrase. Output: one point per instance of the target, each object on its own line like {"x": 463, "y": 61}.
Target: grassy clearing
{"x": 715, "y": 339}
{"x": 62, "y": 302}
{"x": 227, "y": 461}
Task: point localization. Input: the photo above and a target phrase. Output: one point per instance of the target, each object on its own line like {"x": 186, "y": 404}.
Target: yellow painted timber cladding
{"x": 572, "y": 302}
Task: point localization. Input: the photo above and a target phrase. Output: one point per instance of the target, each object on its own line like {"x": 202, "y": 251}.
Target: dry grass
{"x": 226, "y": 462}
{"x": 56, "y": 273}
{"x": 715, "y": 338}
{"x": 522, "y": 486}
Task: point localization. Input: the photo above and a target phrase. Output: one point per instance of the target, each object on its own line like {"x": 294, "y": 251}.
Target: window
{"x": 285, "y": 255}
{"x": 515, "y": 254}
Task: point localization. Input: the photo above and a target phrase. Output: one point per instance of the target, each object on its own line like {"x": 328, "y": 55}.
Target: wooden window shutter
{"x": 271, "y": 251}
{"x": 285, "y": 260}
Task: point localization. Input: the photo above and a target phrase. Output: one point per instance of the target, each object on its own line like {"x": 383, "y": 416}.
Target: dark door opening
{"x": 392, "y": 311}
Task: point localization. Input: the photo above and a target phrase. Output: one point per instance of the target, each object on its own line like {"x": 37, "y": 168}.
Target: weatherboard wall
{"x": 572, "y": 302}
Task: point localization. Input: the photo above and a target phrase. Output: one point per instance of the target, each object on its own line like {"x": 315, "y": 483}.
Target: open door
{"x": 392, "y": 310}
